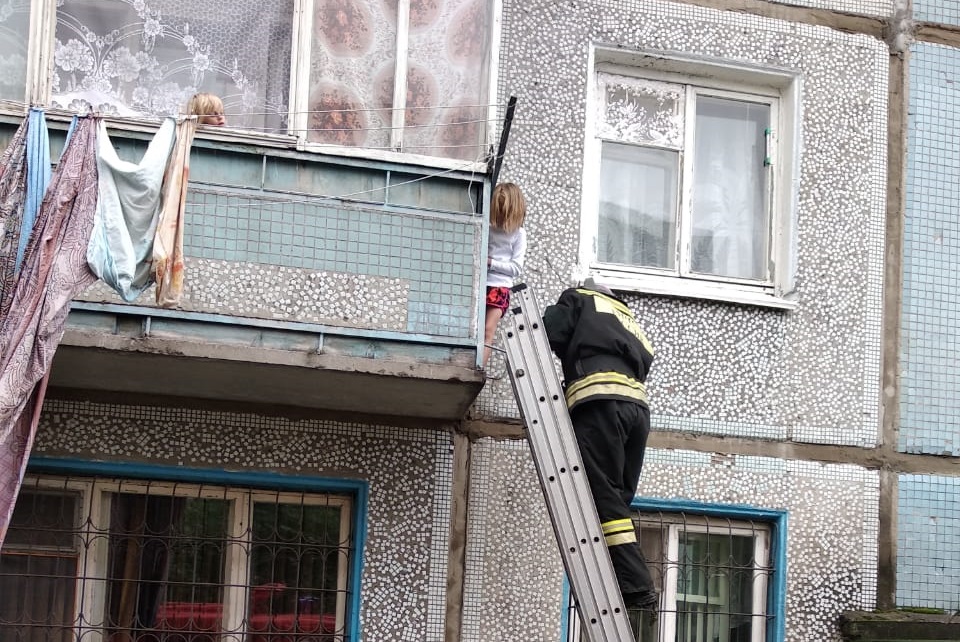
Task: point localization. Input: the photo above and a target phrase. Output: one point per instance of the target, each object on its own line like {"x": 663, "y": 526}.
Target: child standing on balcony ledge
{"x": 506, "y": 248}
{"x": 209, "y": 108}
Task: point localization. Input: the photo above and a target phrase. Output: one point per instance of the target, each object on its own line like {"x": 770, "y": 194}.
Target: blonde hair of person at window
{"x": 506, "y": 249}
{"x": 209, "y": 108}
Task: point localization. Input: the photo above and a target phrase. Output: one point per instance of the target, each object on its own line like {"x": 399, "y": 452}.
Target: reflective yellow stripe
{"x": 620, "y": 538}
{"x": 605, "y": 383}
{"x": 609, "y": 305}
{"x": 617, "y": 525}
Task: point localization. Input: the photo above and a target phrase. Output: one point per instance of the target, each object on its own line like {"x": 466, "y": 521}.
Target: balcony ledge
{"x": 384, "y": 385}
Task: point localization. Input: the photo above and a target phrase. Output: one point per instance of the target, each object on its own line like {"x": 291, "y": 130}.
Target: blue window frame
{"x": 720, "y": 570}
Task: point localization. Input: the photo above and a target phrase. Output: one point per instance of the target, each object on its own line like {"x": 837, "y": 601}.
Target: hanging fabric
{"x": 128, "y": 209}
{"x": 168, "y": 244}
{"x": 53, "y": 272}
{"x": 38, "y": 174}
{"x": 13, "y": 192}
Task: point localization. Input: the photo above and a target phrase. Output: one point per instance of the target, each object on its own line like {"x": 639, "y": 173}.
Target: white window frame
{"x": 43, "y": 23}
{"x": 761, "y": 556}
{"x": 778, "y": 88}
{"x": 93, "y": 557}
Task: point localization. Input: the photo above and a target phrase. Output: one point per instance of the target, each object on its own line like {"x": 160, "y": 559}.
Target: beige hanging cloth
{"x": 168, "y": 241}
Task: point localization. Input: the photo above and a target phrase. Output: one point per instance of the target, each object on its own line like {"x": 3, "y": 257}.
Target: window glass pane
{"x": 297, "y": 563}
{"x": 147, "y": 57}
{"x": 715, "y": 587}
{"x": 14, "y": 39}
{"x": 351, "y": 72}
{"x": 353, "y": 66}
{"x": 638, "y": 206}
{"x": 730, "y": 217}
{"x": 38, "y": 568}
{"x": 446, "y": 91}
{"x": 641, "y": 111}
{"x": 166, "y": 566}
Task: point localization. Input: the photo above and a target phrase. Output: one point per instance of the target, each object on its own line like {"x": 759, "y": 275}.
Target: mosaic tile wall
{"x": 928, "y": 542}
{"x": 262, "y": 291}
{"x": 513, "y": 585}
{"x": 267, "y": 257}
{"x": 832, "y": 534}
{"x": 930, "y": 317}
{"x": 811, "y": 374}
{"x": 942, "y": 11}
{"x": 409, "y": 473}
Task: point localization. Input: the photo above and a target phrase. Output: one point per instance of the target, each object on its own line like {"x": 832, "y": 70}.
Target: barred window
{"x": 713, "y": 576}
{"x": 148, "y": 561}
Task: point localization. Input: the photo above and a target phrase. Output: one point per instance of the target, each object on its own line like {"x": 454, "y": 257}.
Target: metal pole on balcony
{"x": 497, "y": 160}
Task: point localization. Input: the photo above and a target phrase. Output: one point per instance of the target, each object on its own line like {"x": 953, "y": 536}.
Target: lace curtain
{"x": 147, "y": 57}
{"x": 352, "y": 71}
{"x": 728, "y": 209}
{"x": 639, "y": 182}
{"x": 14, "y": 39}
{"x": 644, "y": 126}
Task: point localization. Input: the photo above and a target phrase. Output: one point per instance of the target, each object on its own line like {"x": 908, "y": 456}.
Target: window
{"x": 716, "y": 576}
{"x": 132, "y": 561}
{"x": 14, "y": 30}
{"x": 412, "y": 75}
{"x": 689, "y": 192}
{"x": 132, "y": 58}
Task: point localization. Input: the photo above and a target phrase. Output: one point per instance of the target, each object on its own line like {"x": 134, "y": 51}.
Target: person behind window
{"x": 209, "y": 109}
{"x": 605, "y": 357}
{"x": 506, "y": 247}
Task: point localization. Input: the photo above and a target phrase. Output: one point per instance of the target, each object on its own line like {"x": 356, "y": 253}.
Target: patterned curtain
{"x": 54, "y": 270}
{"x": 147, "y": 57}
{"x": 353, "y": 65}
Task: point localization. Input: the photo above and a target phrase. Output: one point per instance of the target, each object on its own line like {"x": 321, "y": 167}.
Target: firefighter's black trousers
{"x": 612, "y": 436}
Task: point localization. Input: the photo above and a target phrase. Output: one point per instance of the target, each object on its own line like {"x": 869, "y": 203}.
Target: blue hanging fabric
{"x": 38, "y": 175}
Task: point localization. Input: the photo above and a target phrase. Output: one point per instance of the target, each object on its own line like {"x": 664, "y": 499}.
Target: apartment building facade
{"x": 307, "y": 443}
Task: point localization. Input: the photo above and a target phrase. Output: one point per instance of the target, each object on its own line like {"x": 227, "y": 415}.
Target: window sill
{"x": 692, "y": 289}
{"x": 248, "y": 138}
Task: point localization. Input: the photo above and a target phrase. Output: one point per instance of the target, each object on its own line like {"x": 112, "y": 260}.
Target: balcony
{"x": 312, "y": 280}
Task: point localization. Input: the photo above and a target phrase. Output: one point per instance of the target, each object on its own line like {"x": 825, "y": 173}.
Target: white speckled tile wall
{"x": 514, "y": 575}
{"x": 811, "y": 374}
{"x": 409, "y": 471}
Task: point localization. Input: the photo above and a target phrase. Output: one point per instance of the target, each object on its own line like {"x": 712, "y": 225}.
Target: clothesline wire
{"x": 358, "y": 109}
{"x": 405, "y": 146}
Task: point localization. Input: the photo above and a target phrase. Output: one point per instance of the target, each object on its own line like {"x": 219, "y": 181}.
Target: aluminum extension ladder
{"x": 564, "y": 482}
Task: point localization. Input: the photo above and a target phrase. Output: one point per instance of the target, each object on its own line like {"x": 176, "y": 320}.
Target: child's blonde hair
{"x": 204, "y": 105}
{"x": 508, "y": 207}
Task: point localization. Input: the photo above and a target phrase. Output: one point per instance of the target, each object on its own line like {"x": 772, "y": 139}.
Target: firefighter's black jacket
{"x": 604, "y": 352}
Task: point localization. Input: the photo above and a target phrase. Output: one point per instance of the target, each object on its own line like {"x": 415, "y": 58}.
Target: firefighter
{"x": 605, "y": 357}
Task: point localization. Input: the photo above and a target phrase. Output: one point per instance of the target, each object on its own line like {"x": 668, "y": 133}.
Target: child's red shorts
{"x": 498, "y": 298}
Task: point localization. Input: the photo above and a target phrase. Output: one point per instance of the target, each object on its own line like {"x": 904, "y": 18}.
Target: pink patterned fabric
{"x": 13, "y": 192}
{"x": 53, "y": 272}
{"x": 168, "y": 241}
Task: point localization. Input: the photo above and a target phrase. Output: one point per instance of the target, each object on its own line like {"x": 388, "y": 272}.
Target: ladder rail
{"x": 559, "y": 467}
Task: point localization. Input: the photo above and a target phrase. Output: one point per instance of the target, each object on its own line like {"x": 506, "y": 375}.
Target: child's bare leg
{"x": 490, "y": 331}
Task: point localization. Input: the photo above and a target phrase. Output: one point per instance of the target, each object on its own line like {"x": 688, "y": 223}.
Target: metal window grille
{"x": 147, "y": 561}
{"x": 712, "y": 574}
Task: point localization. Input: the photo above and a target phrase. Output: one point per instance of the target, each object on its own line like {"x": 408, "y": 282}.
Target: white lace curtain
{"x": 728, "y": 210}
{"x": 644, "y": 125}
{"x": 147, "y": 57}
